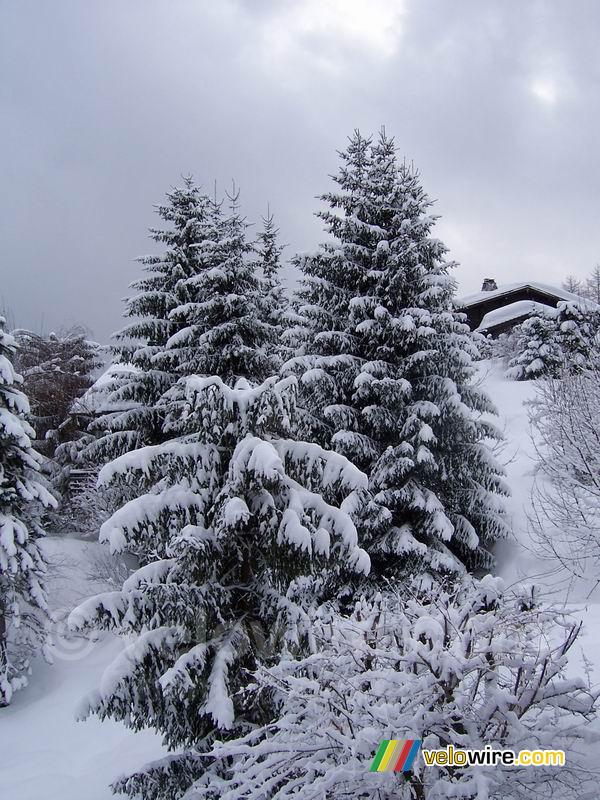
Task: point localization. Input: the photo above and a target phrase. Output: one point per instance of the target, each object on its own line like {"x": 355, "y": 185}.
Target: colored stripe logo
{"x": 395, "y": 755}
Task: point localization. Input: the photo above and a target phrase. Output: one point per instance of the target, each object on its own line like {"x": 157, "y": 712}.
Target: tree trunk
{"x": 3, "y": 645}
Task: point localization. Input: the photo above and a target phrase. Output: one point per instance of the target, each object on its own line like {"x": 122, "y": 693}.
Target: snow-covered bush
{"x": 566, "y": 519}
{"x": 578, "y": 334}
{"x": 538, "y": 352}
{"x": 485, "y": 346}
{"x": 472, "y": 667}
{"x": 556, "y": 341}
{"x": 23, "y": 605}
{"x": 505, "y": 345}
{"x": 239, "y": 525}
{"x": 88, "y": 506}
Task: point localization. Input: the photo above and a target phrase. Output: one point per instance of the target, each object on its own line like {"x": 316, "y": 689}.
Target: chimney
{"x": 489, "y": 284}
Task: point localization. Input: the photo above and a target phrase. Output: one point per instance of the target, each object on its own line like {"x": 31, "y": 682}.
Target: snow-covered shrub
{"x": 505, "y": 345}
{"x": 23, "y": 605}
{"x": 557, "y": 341}
{"x": 238, "y": 526}
{"x": 566, "y": 519}
{"x": 485, "y": 346}
{"x": 538, "y": 351}
{"x": 89, "y": 506}
{"x": 106, "y": 570}
{"x": 476, "y": 666}
{"x": 578, "y": 334}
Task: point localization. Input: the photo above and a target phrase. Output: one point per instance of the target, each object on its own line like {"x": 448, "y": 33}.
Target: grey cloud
{"x": 105, "y": 105}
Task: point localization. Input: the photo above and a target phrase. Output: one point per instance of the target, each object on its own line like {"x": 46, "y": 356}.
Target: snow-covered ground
{"x": 45, "y": 753}
{"x": 518, "y": 560}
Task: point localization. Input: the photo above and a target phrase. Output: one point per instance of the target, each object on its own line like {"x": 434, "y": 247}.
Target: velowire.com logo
{"x": 395, "y": 755}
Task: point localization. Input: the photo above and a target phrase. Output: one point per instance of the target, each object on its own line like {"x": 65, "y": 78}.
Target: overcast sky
{"x": 105, "y": 104}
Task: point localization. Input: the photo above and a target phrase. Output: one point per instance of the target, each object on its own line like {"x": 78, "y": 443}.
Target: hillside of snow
{"x": 47, "y": 755}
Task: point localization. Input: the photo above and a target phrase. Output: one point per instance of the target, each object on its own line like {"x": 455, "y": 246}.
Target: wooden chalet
{"x": 497, "y": 309}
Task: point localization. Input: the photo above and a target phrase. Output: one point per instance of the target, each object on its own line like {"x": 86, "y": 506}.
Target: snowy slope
{"x": 45, "y": 753}
{"x": 518, "y": 560}
{"x": 517, "y": 454}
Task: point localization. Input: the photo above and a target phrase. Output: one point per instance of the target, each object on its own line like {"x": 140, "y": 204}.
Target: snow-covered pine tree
{"x": 243, "y": 520}
{"x": 539, "y": 354}
{"x": 220, "y": 327}
{"x": 23, "y": 606}
{"x": 134, "y": 418}
{"x": 388, "y": 371}
{"x": 473, "y": 668}
{"x": 328, "y": 358}
{"x": 273, "y": 302}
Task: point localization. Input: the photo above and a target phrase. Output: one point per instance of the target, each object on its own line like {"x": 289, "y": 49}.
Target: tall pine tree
{"x": 220, "y": 327}
{"x": 23, "y": 603}
{"x": 235, "y": 522}
{"x": 135, "y": 418}
{"x": 274, "y": 303}
{"x": 389, "y": 376}
{"x": 244, "y": 523}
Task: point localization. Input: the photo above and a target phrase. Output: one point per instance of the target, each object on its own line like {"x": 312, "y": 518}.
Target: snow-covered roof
{"x": 513, "y": 311}
{"x": 545, "y": 288}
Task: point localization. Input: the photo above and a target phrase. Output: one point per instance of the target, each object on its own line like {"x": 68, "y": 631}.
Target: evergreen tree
{"x": 23, "y": 605}
{"x": 388, "y": 371}
{"x": 274, "y": 303}
{"x": 557, "y": 341}
{"x": 220, "y": 327}
{"x": 328, "y": 352}
{"x": 244, "y": 521}
{"x": 134, "y": 417}
{"x": 236, "y": 524}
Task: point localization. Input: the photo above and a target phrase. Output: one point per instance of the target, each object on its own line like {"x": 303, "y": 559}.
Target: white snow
{"x": 518, "y": 559}
{"x": 513, "y": 311}
{"x": 46, "y": 753}
{"x": 97, "y": 397}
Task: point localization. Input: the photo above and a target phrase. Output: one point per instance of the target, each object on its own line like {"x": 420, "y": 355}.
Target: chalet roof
{"x": 513, "y": 312}
{"x": 511, "y": 288}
